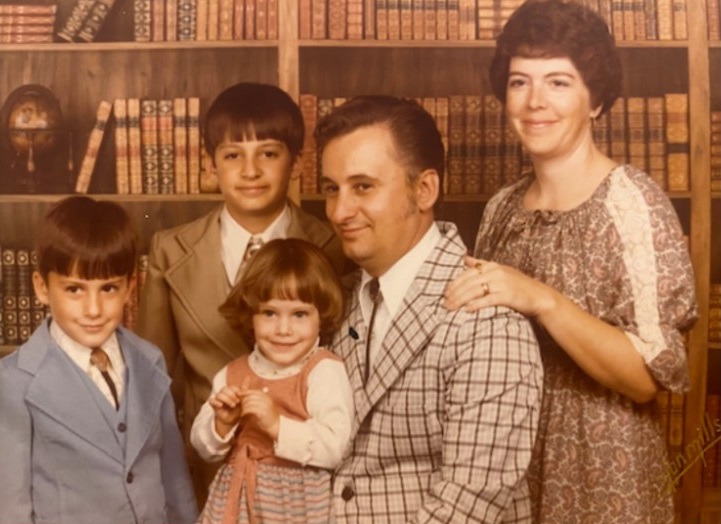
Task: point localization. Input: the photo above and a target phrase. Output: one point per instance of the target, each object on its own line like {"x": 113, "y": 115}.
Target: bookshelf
{"x": 115, "y": 66}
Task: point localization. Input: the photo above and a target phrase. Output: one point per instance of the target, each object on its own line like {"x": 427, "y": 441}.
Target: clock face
{"x": 33, "y": 120}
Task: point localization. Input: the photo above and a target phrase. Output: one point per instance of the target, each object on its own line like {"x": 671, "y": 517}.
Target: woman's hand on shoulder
{"x": 486, "y": 284}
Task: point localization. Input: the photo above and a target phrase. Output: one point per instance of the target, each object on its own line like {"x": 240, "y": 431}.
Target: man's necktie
{"x": 376, "y": 298}
{"x": 100, "y": 360}
{"x": 254, "y": 245}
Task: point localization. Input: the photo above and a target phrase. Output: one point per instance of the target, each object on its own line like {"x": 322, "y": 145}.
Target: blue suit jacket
{"x": 63, "y": 462}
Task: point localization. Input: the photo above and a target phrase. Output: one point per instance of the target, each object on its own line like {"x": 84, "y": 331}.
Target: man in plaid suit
{"x": 446, "y": 402}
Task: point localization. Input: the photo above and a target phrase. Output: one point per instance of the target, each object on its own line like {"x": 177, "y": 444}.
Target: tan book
{"x": 272, "y": 19}
{"x": 149, "y": 156}
{"x": 656, "y": 140}
{"x": 158, "y": 20}
{"x": 180, "y": 145}
{"x": 166, "y": 154}
{"x": 617, "y": 19}
{"x": 213, "y": 19}
{"x": 713, "y": 17}
{"x": 249, "y": 29}
{"x": 629, "y": 20}
{"x": 95, "y": 139}
{"x": 337, "y": 12}
{"x": 617, "y": 122}
{"x": 394, "y": 19}
{"x": 122, "y": 163}
{"x": 194, "y": 145}
{"x": 239, "y": 19}
{"x": 491, "y": 153}
{"x": 305, "y": 15}
{"x": 664, "y": 15}
{"x": 261, "y": 19}
{"x": 456, "y": 144}
{"x": 309, "y": 160}
{"x": 28, "y": 9}
{"x": 442, "y": 22}
{"x": 135, "y": 163}
{"x": 355, "y": 20}
{"x": 171, "y": 20}
{"x": 648, "y": 12}
{"x": 418, "y": 17}
{"x": 473, "y": 156}
{"x": 319, "y": 20}
{"x": 680, "y": 24}
{"x": 677, "y": 141}
{"x": 382, "y": 19}
{"x": 637, "y": 134}
{"x": 369, "y": 19}
{"x": 225, "y": 19}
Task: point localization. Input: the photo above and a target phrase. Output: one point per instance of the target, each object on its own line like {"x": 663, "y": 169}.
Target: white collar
{"x": 81, "y": 354}
{"x": 268, "y": 369}
{"x": 395, "y": 282}
{"x": 234, "y": 238}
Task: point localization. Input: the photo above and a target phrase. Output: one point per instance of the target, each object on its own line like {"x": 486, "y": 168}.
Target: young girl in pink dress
{"x": 280, "y": 416}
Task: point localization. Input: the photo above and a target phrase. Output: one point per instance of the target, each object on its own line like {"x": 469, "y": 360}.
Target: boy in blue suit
{"x": 88, "y": 424}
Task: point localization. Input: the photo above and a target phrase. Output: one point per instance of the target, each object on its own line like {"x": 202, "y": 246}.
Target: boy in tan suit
{"x": 254, "y": 135}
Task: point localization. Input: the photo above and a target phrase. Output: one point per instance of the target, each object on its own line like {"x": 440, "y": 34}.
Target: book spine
{"x": 473, "y": 145}
{"x": 158, "y": 20}
{"x": 441, "y": 13}
{"x": 225, "y": 20}
{"x": 135, "y": 147}
{"x": 492, "y": 143}
{"x": 122, "y": 164}
{"x": 201, "y": 28}
{"x": 239, "y": 19}
{"x": 25, "y": 293}
{"x": 382, "y": 19}
{"x": 318, "y": 19}
{"x": 213, "y": 19}
{"x": 75, "y": 21}
{"x": 651, "y": 16}
{"x": 680, "y": 27}
{"x": 38, "y": 310}
{"x": 142, "y": 20}
{"x": 10, "y": 296}
{"x": 26, "y": 29}
{"x": 355, "y": 19}
{"x": 95, "y": 20}
{"x": 712, "y": 414}
{"x": 305, "y": 16}
{"x": 715, "y": 150}
{"x": 308, "y": 178}
{"x": 677, "y": 141}
{"x": 149, "y": 149}
{"x": 261, "y": 19}
{"x": 180, "y": 145}
{"x": 637, "y": 135}
{"x": 456, "y": 144}
{"x": 336, "y": 19}
{"x": 26, "y": 9}
{"x": 166, "y": 155}
{"x": 26, "y": 39}
{"x": 95, "y": 139}
{"x": 656, "y": 140}
{"x": 664, "y": 14}
{"x": 272, "y": 19}
{"x": 26, "y": 20}
{"x": 194, "y": 147}
{"x": 187, "y": 19}
{"x": 629, "y": 20}
{"x": 393, "y": 8}
{"x": 369, "y": 19}
{"x": 172, "y": 12}
{"x": 618, "y": 131}
{"x": 454, "y": 20}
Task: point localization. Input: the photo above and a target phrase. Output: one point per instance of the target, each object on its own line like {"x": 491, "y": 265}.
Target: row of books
{"x": 629, "y": 20}
{"x": 714, "y": 313}
{"x": 484, "y": 154}
{"x": 715, "y": 151}
{"x": 170, "y": 20}
{"x": 20, "y": 310}
{"x": 713, "y": 19}
{"x": 25, "y": 23}
{"x": 157, "y": 146}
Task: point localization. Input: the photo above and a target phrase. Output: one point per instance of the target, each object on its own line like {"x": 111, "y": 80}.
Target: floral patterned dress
{"x": 600, "y": 458}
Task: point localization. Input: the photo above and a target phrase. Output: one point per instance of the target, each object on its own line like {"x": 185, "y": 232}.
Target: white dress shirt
{"x": 394, "y": 285}
{"x": 234, "y": 239}
{"x": 81, "y": 356}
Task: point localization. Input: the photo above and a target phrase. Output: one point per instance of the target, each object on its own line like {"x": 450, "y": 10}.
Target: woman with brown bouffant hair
{"x": 592, "y": 251}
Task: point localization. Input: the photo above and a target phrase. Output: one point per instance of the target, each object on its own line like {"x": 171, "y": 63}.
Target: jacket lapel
{"x": 210, "y": 286}
{"x": 59, "y": 391}
{"x": 146, "y": 388}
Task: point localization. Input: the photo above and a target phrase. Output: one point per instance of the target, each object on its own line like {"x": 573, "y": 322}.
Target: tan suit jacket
{"x": 185, "y": 284}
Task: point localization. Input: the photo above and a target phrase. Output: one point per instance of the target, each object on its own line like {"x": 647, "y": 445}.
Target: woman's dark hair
{"x": 558, "y": 29}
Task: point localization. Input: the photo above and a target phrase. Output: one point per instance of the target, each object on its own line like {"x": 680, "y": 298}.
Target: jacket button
{"x": 347, "y": 493}
{"x": 130, "y": 477}
{"x": 122, "y": 427}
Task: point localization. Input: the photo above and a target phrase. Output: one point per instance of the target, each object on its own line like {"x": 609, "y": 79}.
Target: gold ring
{"x": 479, "y": 267}
{"x": 484, "y": 288}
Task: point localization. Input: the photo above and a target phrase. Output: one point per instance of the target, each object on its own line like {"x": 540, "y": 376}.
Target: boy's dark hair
{"x": 415, "y": 134}
{"x": 250, "y": 109}
{"x": 96, "y": 239}
{"x": 286, "y": 269}
{"x": 558, "y": 29}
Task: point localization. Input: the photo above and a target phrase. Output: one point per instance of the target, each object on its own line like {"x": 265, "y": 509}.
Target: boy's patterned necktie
{"x": 100, "y": 360}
